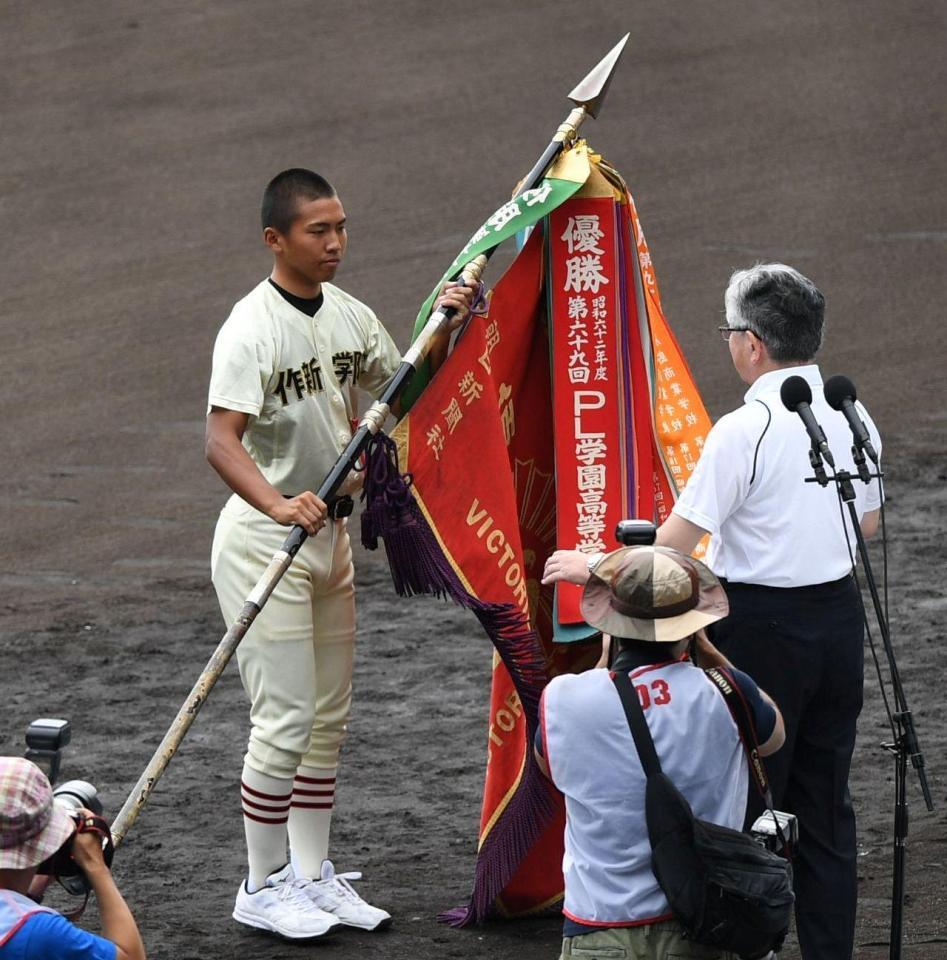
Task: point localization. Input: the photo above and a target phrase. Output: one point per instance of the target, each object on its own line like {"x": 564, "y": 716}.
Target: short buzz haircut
{"x": 284, "y": 192}
{"x": 781, "y": 306}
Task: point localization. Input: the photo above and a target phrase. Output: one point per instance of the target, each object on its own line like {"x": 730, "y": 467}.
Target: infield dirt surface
{"x": 135, "y": 140}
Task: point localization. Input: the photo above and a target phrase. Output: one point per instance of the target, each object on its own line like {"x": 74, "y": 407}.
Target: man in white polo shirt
{"x": 779, "y": 546}
{"x": 279, "y": 414}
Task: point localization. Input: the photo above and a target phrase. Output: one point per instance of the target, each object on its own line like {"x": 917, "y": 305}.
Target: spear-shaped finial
{"x": 590, "y": 92}
{"x": 587, "y": 97}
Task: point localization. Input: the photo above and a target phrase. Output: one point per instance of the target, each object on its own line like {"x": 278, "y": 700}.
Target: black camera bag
{"x": 724, "y": 889}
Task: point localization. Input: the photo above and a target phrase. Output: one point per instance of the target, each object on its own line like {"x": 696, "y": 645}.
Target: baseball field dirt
{"x": 135, "y": 140}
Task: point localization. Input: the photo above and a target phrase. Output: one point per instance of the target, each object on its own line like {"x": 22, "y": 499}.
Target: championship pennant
{"x": 503, "y": 463}
{"x": 586, "y": 307}
{"x": 482, "y": 476}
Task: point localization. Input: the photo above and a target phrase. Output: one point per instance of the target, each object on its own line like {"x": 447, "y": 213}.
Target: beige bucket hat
{"x": 652, "y": 593}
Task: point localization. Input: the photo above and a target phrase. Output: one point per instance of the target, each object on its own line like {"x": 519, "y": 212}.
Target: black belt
{"x": 341, "y": 507}
{"x": 832, "y": 586}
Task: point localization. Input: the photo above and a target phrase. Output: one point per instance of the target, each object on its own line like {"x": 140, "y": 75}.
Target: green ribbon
{"x": 508, "y": 220}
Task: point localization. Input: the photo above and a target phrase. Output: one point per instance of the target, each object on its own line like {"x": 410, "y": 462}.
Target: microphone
{"x": 796, "y": 395}
{"x": 840, "y": 395}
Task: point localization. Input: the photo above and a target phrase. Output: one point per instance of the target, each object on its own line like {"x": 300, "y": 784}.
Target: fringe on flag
{"x": 418, "y": 566}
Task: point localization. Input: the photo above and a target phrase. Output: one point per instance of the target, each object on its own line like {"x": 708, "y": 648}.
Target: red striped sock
{"x": 310, "y": 817}
{"x": 266, "y": 802}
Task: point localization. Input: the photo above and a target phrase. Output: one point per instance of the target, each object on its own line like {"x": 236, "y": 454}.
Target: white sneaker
{"x": 280, "y": 906}
{"x": 334, "y": 894}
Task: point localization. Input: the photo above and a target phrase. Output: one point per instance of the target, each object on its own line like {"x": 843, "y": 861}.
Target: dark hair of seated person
{"x": 638, "y": 653}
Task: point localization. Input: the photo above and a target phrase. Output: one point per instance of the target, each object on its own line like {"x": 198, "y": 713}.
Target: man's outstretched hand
{"x": 569, "y": 566}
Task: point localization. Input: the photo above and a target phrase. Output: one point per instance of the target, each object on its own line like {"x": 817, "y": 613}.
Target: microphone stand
{"x": 905, "y": 744}
{"x": 815, "y": 458}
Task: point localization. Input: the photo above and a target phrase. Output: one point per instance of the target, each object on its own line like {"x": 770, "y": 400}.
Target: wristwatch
{"x": 593, "y": 560}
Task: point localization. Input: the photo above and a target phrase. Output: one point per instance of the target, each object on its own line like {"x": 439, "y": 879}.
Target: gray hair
{"x": 781, "y": 306}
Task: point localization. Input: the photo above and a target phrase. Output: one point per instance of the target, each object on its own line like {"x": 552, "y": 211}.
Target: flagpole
{"x": 587, "y": 97}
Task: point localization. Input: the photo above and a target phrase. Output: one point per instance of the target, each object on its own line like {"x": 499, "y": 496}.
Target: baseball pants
{"x": 804, "y": 647}
{"x": 296, "y": 660}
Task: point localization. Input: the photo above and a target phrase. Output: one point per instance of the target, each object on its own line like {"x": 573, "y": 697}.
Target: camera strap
{"x": 724, "y": 682}
{"x": 98, "y": 825}
{"x": 738, "y": 710}
{"x": 75, "y": 914}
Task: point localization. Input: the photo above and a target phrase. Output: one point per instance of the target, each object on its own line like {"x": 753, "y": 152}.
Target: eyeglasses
{"x": 726, "y": 330}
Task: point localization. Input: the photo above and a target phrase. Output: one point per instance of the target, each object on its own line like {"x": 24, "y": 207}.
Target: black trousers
{"x": 804, "y": 647}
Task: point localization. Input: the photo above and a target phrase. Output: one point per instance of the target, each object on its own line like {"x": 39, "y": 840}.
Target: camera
{"x": 45, "y": 740}
{"x": 635, "y": 533}
{"x": 765, "y": 834}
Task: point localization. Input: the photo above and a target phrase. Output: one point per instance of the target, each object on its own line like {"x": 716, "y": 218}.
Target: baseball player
{"x": 280, "y": 408}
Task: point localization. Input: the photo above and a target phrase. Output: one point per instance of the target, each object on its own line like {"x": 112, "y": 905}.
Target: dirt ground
{"x": 135, "y": 140}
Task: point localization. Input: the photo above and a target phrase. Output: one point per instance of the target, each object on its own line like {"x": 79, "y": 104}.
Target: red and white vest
{"x": 15, "y": 910}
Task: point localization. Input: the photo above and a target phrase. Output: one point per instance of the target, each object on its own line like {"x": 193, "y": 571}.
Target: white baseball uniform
{"x": 293, "y": 374}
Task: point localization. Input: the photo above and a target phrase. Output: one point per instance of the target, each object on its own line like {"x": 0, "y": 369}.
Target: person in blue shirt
{"x": 32, "y": 828}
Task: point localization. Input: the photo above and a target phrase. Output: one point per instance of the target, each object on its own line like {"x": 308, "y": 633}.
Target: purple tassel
{"x": 455, "y": 917}
{"x": 521, "y": 824}
{"x": 391, "y": 512}
{"x": 418, "y": 566}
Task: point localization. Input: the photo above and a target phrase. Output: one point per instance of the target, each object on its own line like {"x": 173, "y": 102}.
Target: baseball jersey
{"x": 767, "y": 525}
{"x": 592, "y": 759}
{"x": 293, "y": 375}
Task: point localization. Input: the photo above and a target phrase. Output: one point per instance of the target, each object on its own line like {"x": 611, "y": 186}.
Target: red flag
{"x": 493, "y": 462}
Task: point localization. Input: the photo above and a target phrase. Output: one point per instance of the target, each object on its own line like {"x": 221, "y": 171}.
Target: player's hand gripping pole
{"x": 587, "y": 97}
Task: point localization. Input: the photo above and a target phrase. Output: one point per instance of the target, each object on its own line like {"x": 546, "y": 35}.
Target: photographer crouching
{"x": 32, "y": 829}
{"x": 655, "y": 602}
